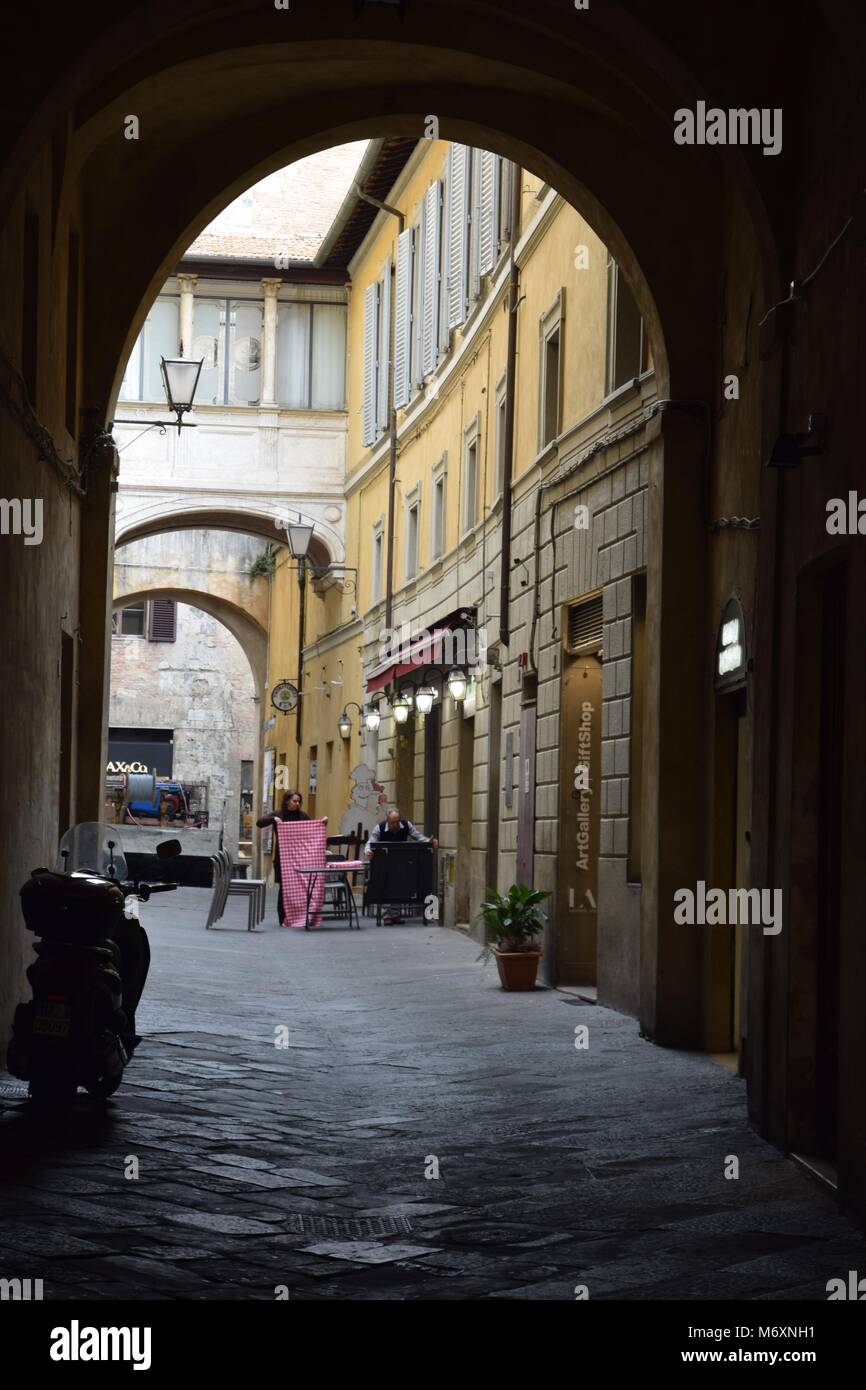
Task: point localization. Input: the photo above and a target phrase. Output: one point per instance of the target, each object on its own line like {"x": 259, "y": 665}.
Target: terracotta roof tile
{"x": 286, "y": 214}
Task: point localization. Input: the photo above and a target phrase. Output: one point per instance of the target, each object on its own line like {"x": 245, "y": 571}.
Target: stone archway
{"x": 582, "y": 101}
{"x": 584, "y": 98}
{"x": 248, "y": 632}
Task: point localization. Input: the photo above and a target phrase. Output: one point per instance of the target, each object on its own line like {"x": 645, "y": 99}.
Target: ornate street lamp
{"x": 180, "y": 378}
{"x": 344, "y": 723}
{"x": 425, "y": 698}
{"x": 372, "y": 718}
{"x": 400, "y": 707}
{"x": 300, "y": 535}
{"x": 458, "y": 684}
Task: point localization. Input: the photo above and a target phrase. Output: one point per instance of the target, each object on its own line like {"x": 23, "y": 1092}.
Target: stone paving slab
{"x": 423, "y": 1136}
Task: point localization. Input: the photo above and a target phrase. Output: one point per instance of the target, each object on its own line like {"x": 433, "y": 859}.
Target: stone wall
{"x": 200, "y": 686}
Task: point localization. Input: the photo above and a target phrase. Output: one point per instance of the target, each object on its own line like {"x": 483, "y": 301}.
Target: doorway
{"x": 432, "y": 759}
{"x": 67, "y": 731}
{"x": 816, "y": 868}
{"x": 465, "y": 777}
{"x": 579, "y": 820}
{"x": 725, "y": 960}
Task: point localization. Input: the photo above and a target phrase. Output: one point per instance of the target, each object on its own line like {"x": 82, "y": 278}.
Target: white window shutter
{"x": 384, "y": 355}
{"x": 430, "y": 341}
{"x": 458, "y": 218}
{"x": 475, "y": 227}
{"x": 416, "y": 373}
{"x": 487, "y": 213}
{"x": 444, "y": 328}
{"x": 403, "y": 318}
{"x": 371, "y": 324}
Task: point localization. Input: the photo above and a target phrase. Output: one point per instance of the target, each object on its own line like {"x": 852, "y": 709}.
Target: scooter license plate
{"x": 53, "y": 1020}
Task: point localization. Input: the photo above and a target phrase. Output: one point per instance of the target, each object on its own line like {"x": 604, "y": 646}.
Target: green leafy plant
{"x": 511, "y": 920}
{"x": 264, "y": 564}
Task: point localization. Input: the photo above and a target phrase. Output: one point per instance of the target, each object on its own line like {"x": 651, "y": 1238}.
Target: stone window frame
{"x": 550, "y": 322}
{"x": 412, "y": 501}
{"x": 438, "y": 474}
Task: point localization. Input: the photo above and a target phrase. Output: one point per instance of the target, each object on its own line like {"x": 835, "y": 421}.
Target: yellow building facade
{"x": 466, "y": 242}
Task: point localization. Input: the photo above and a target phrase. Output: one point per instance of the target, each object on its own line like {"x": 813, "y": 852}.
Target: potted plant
{"x": 512, "y": 922}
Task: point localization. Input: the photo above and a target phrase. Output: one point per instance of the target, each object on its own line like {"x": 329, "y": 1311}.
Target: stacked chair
{"x": 224, "y": 886}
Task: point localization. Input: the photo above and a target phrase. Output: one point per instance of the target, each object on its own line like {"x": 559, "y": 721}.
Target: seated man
{"x": 395, "y": 830}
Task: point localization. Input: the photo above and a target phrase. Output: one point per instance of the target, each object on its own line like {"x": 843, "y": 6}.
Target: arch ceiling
{"x": 584, "y": 98}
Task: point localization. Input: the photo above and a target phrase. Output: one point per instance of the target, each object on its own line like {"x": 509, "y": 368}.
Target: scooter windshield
{"x": 91, "y": 847}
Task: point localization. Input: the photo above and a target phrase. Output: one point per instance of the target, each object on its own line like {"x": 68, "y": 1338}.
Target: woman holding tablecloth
{"x": 289, "y": 810}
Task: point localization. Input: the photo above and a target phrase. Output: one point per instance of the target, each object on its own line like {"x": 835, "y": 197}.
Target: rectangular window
{"x": 437, "y": 548}
{"x": 245, "y": 353}
{"x": 551, "y": 387}
{"x": 129, "y": 622}
{"x": 293, "y": 355}
{"x": 371, "y": 341}
{"x": 208, "y": 330}
{"x": 160, "y": 338}
{"x": 506, "y": 175}
{"x": 499, "y": 408}
{"x": 412, "y": 541}
{"x": 625, "y": 345}
{"x": 417, "y": 374}
{"x": 329, "y": 357}
{"x": 470, "y": 478}
{"x": 130, "y": 387}
{"x": 376, "y": 575}
{"x": 550, "y": 373}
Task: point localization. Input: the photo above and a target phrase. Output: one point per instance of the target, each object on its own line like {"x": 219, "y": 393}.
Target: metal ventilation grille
{"x": 585, "y": 625}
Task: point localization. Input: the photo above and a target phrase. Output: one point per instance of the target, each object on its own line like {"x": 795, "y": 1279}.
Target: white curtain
{"x": 207, "y": 335}
{"x": 329, "y": 357}
{"x": 246, "y": 325}
{"x": 293, "y": 355}
{"x": 130, "y": 387}
{"x": 161, "y": 339}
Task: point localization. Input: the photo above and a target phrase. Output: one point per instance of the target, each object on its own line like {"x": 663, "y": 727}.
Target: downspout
{"x": 392, "y": 417}
{"x": 510, "y": 397}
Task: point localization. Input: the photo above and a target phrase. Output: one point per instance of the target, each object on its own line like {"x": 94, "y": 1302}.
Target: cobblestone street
{"x": 304, "y": 1166}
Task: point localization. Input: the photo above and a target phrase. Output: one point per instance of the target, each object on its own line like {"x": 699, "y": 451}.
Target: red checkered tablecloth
{"x": 302, "y": 846}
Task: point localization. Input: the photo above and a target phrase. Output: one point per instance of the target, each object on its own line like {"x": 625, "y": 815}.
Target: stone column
{"x": 187, "y": 287}
{"x": 269, "y": 340}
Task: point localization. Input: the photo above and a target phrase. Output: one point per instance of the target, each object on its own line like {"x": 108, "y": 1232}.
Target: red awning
{"x": 422, "y": 651}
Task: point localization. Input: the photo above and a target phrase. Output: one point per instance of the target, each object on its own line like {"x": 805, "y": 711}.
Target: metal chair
{"x": 253, "y": 889}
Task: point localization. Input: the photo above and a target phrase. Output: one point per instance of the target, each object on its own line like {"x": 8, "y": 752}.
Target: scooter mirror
{"x": 169, "y": 849}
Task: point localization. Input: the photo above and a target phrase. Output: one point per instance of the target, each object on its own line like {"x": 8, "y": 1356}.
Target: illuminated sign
{"x": 731, "y": 647}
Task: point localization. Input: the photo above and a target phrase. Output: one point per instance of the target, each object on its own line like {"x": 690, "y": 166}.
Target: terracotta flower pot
{"x": 517, "y": 969}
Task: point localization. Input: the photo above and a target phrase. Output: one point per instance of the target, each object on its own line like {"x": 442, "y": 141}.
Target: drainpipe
{"x": 510, "y": 396}
{"x": 302, "y": 613}
{"x": 392, "y": 417}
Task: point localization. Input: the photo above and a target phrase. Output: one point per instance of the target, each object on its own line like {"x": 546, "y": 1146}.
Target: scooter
{"x": 90, "y": 967}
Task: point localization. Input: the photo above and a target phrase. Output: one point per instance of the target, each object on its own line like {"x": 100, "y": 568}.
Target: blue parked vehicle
{"x": 169, "y": 800}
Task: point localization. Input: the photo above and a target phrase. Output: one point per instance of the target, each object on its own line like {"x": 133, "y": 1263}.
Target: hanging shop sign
{"x": 730, "y": 672}
{"x": 284, "y": 697}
